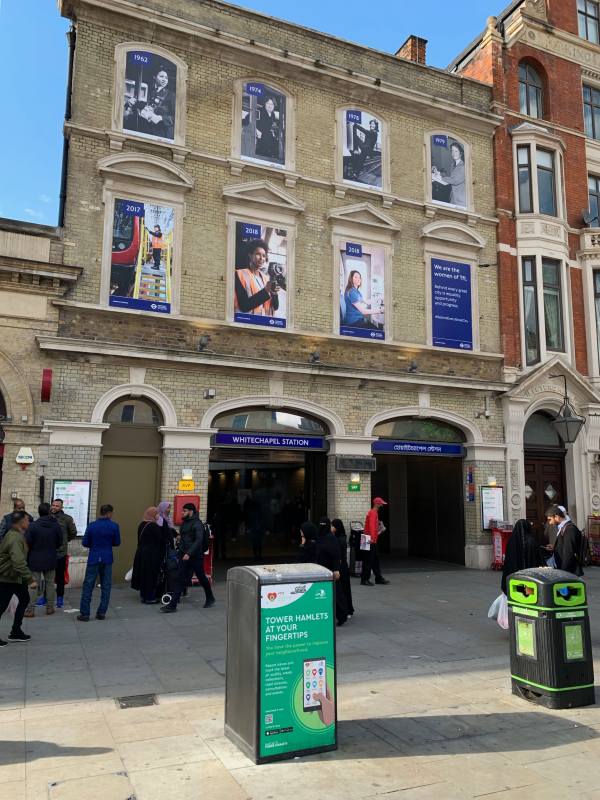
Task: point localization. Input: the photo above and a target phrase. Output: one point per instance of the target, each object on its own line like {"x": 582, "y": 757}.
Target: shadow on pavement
{"x": 432, "y": 735}
{"x": 17, "y": 752}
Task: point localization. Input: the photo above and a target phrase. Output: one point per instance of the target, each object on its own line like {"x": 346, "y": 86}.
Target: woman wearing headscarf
{"x": 153, "y": 536}
{"x": 308, "y": 543}
{"x": 338, "y": 530}
{"x": 522, "y": 551}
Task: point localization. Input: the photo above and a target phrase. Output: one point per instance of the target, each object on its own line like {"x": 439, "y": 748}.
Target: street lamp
{"x": 567, "y": 422}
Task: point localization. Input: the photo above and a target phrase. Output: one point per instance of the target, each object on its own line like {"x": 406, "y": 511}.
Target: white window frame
{"x": 121, "y": 51}
{"x": 236, "y": 126}
{"x": 535, "y": 142}
{"x": 278, "y": 219}
{"x": 470, "y": 206}
{"x": 538, "y": 255}
{"x": 385, "y": 151}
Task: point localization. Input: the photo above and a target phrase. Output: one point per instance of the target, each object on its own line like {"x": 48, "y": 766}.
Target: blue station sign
{"x": 417, "y": 448}
{"x": 278, "y": 441}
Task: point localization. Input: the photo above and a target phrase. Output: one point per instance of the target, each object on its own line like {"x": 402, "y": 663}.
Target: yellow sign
{"x": 186, "y": 486}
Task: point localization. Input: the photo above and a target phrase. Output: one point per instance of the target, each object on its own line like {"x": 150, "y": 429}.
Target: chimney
{"x": 414, "y": 49}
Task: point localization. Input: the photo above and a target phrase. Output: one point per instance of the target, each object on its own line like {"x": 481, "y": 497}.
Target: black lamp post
{"x": 567, "y": 422}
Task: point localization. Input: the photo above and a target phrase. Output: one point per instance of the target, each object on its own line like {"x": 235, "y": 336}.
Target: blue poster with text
{"x": 451, "y": 311}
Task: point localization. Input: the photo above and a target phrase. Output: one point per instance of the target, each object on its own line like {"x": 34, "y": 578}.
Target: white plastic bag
{"x": 495, "y": 607}
{"x": 503, "y": 613}
{"x": 128, "y": 575}
{"x": 12, "y": 606}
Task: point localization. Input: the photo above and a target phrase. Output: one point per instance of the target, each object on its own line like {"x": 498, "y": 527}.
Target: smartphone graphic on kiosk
{"x": 314, "y": 681}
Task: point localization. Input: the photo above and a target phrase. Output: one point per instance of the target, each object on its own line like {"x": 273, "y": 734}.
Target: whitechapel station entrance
{"x": 419, "y": 472}
{"x": 268, "y": 474}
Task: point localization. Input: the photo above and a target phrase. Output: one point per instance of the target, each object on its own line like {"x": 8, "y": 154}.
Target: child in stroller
{"x": 171, "y": 578}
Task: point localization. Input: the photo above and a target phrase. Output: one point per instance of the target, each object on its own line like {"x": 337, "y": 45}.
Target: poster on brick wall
{"x": 362, "y": 149}
{"x": 150, "y": 95}
{"x": 261, "y": 275}
{"x": 263, "y": 129}
{"x": 76, "y": 496}
{"x": 362, "y": 286}
{"x": 141, "y": 269}
{"x": 448, "y": 173}
{"x": 451, "y": 311}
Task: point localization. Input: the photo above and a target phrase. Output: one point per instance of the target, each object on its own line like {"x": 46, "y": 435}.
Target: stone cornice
{"x": 255, "y": 54}
{"x": 37, "y": 277}
{"x": 114, "y": 350}
{"x": 556, "y": 42}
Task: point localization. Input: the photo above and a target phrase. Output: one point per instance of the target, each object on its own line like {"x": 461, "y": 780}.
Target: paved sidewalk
{"x": 424, "y": 705}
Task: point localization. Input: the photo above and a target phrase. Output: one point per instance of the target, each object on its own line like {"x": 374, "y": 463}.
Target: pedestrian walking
{"x": 6, "y": 522}
{"x": 192, "y": 545}
{"x": 44, "y": 538}
{"x": 69, "y": 532}
{"x": 569, "y": 541}
{"x": 100, "y": 537}
{"x": 339, "y": 531}
{"x": 153, "y": 540}
{"x": 373, "y": 528}
{"x": 328, "y": 555}
{"x": 15, "y": 575}
{"x": 522, "y": 551}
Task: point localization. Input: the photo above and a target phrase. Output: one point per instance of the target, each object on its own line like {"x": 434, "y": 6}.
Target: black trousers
{"x": 22, "y": 592}
{"x": 157, "y": 255}
{"x": 187, "y": 569}
{"x": 59, "y": 579}
{"x": 370, "y": 561}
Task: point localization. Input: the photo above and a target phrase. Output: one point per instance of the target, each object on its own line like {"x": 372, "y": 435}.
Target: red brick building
{"x": 542, "y": 58}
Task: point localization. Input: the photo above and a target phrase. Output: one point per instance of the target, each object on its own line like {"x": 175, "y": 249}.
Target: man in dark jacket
{"x": 100, "y": 537}
{"x": 6, "y": 523}
{"x": 69, "y": 532}
{"x": 193, "y": 544}
{"x": 15, "y": 575}
{"x": 569, "y": 541}
{"x": 44, "y": 537}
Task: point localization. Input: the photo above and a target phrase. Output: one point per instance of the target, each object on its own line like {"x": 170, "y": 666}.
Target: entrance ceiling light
{"x": 567, "y": 423}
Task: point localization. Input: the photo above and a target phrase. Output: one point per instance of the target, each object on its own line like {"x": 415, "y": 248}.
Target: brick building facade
{"x": 195, "y": 130}
{"x": 542, "y": 61}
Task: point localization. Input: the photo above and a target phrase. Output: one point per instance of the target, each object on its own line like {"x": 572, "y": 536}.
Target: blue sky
{"x": 34, "y": 51}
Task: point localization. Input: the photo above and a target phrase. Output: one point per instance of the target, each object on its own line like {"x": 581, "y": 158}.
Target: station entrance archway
{"x": 267, "y": 475}
{"x": 420, "y": 474}
{"x": 544, "y": 454}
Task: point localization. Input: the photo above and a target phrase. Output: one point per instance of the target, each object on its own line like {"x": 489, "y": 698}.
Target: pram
{"x": 170, "y": 577}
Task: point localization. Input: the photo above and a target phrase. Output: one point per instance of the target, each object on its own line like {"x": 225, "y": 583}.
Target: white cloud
{"x": 45, "y": 198}
{"x": 35, "y": 214}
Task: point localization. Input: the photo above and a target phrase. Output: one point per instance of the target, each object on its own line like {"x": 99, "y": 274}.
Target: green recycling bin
{"x": 280, "y": 685}
{"x": 550, "y": 645}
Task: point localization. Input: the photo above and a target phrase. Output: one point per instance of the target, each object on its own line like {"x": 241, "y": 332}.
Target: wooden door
{"x": 544, "y": 486}
{"x": 129, "y": 484}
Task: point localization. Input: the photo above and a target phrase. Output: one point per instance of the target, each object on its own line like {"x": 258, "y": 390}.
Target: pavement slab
{"x": 424, "y": 704}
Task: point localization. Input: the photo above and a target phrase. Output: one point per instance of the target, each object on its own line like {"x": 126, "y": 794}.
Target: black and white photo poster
{"x": 362, "y": 149}
{"x": 448, "y": 171}
{"x": 263, "y": 124}
{"x": 149, "y": 96}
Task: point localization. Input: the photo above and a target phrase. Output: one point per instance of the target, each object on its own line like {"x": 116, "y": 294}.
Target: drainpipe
{"x": 71, "y": 37}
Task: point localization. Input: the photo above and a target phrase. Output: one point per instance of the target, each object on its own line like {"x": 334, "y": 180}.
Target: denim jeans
{"x": 92, "y": 571}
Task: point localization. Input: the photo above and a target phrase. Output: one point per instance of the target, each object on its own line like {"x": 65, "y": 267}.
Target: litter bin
{"x": 280, "y": 687}
{"x": 550, "y": 645}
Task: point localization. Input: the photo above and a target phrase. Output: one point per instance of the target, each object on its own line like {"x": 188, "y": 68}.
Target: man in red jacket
{"x": 373, "y": 527}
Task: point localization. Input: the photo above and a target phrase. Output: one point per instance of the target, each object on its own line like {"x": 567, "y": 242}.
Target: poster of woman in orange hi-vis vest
{"x": 260, "y": 292}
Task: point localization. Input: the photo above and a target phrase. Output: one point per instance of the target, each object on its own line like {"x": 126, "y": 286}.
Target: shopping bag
{"x": 129, "y": 574}
{"x": 365, "y": 541}
{"x": 495, "y": 607}
{"x": 12, "y": 606}
{"x": 503, "y": 613}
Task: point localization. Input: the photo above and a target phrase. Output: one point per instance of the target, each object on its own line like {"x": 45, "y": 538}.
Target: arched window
{"x": 540, "y": 432}
{"x": 530, "y": 91}
{"x": 419, "y": 430}
{"x": 269, "y": 420}
{"x": 134, "y": 411}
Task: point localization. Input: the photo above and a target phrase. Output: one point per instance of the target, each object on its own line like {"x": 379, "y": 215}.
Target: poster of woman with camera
{"x": 260, "y": 287}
